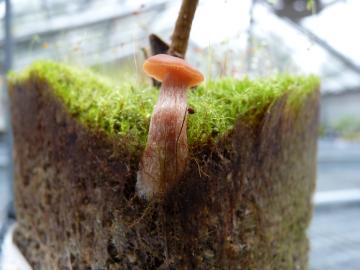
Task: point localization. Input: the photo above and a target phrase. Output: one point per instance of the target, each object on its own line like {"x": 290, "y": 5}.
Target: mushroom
{"x": 165, "y": 155}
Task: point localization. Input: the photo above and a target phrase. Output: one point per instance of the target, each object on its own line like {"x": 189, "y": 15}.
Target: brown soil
{"x": 243, "y": 203}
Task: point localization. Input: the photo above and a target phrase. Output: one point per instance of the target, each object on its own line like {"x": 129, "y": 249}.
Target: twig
{"x": 180, "y": 36}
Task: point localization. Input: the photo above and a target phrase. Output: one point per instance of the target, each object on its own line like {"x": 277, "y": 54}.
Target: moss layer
{"x": 124, "y": 109}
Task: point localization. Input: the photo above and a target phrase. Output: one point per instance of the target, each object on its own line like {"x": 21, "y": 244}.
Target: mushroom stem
{"x": 166, "y": 151}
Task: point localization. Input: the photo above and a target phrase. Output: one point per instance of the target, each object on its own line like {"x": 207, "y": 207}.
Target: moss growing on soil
{"x": 243, "y": 202}
{"x": 124, "y": 108}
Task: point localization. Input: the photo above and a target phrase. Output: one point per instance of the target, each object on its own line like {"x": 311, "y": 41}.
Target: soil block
{"x": 244, "y": 201}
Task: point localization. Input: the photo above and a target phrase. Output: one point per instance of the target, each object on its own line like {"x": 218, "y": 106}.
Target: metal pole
{"x": 7, "y": 67}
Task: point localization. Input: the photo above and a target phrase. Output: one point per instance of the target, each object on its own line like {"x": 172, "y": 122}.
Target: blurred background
{"x": 228, "y": 38}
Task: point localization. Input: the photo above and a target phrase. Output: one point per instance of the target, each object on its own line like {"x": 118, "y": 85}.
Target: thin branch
{"x": 180, "y": 37}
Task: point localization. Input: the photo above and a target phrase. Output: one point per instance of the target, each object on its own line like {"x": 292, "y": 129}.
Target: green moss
{"x": 124, "y": 108}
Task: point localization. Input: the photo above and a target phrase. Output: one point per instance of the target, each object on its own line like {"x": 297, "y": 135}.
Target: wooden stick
{"x": 180, "y": 36}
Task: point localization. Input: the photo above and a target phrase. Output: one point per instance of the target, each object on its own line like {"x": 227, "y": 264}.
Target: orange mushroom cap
{"x": 161, "y": 65}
